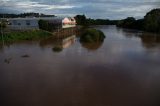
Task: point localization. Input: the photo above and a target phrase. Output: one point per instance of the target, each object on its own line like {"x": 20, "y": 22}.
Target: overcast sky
{"x": 111, "y": 9}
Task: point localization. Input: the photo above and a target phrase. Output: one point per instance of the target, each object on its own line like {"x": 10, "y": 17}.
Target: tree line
{"x": 82, "y": 20}
{"x": 23, "y": 15}
{"x": 150, "y": 22}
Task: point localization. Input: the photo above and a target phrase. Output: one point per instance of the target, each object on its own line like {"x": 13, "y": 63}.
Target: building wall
{"x": 68, "y": 26}
{"x": 23, "y": 24}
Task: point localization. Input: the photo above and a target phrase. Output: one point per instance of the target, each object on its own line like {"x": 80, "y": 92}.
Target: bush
{"x": 150, "y": 23}
{"x": 92, "y": 35}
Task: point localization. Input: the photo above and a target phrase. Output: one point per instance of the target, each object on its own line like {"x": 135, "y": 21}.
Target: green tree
{"x": 81, "y": 20}
{"x": 127, "y": 23}
{"x": 45, "y": 25}
{"x": 152, "y": 21}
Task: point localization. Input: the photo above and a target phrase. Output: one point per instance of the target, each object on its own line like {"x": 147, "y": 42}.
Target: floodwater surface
{"x": 124, "y": 70}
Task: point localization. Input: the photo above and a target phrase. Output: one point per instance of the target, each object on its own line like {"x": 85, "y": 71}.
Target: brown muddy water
{"x": 124, "y": 70}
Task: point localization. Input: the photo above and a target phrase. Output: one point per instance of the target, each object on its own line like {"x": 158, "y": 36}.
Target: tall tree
{"x": 152, "y": 21}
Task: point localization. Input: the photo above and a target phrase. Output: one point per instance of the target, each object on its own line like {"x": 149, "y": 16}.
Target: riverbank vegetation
{"x": 25, "y": 35}
{"x": 84, "y": 21}
{"x": 23, "y": 15}
{"x": 150, "y": 22}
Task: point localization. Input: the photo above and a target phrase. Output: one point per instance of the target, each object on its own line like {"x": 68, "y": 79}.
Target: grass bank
{"x": 25, "y": 35}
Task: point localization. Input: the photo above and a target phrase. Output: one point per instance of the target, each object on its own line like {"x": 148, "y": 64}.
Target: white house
{"x": 32, "y": 23}
{"x": 68, "y": 22}
{"x": 23, "y": 23}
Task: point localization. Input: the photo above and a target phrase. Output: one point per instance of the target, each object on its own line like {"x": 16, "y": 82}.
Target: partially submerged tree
{"x": 92, "y": 35}
{"x": 92, "y": 39}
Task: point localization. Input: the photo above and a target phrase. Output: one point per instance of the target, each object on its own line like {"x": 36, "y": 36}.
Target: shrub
{"x": 92, "y": 35}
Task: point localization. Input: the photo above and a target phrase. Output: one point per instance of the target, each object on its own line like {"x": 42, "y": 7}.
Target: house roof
{"x": 43, "y": 18}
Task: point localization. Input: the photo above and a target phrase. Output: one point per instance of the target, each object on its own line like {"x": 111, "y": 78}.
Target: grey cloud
{"x": 113, "y": 9}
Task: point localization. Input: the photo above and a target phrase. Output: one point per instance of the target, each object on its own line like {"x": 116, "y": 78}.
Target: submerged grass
{"x": 25, "y": 35}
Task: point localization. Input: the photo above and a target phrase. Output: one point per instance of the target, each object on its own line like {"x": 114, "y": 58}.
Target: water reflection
{"x": 129, "y": 33}
{"x": 58, "y": 44}
{"x": 150, "y": 40}
{"x": 7, "y": 60}
{"x": 92, "y": 46}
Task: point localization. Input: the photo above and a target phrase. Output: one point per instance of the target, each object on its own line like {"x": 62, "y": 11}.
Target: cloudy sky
{"x": 111, "y": 9}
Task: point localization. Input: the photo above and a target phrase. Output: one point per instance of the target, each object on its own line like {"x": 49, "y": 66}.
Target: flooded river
{"x": 124, "y": 70}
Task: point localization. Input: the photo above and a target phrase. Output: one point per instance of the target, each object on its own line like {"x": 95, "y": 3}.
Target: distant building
{"x": 23, "y": 23}
{"x": 32, "y": 23}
